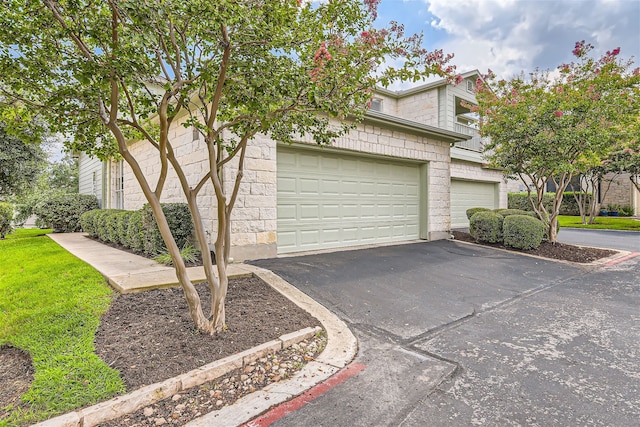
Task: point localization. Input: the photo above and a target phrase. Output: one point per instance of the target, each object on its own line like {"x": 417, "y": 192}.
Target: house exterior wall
{"x": 254, "y": 217}
{"x": 421, "y": 107}
{"x": 90, "y": 177}
{"x": 620, "y": 192}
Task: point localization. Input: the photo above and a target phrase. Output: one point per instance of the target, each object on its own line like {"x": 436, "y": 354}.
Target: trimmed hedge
{"x": 472, "y": 211}
{"x": 87, "y": 222}
{"x": 569, "y": 205}
{"x": 486, "y": 226}
{"x": 123, "y": 227}
{"x": 6, "y": 217}
{"x": 523, "y": 232}
{"x": 138, "y": 230}
{"x": 180, "y": 224}
{"x": 135, "y": 232}
{"x": 508, "y": 212}
{"x": 62, "y": 212}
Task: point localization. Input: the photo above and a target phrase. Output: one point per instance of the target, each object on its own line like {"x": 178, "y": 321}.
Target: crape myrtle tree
{"x": 111, "y": 72}
{"x": 554, "y": 126}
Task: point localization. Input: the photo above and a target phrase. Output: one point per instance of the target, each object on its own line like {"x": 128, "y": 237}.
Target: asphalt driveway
{"x": 454, "y": 334}
{"x": 623, "y": 240}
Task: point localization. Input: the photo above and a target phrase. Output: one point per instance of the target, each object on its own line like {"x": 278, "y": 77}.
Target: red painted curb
{"x": 619, "y": 260}
{"x": 281, "y": 411}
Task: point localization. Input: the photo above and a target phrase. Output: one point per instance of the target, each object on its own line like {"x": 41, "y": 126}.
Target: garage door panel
{"x": 362, "y": 201}
{"x": 470, "y": 194}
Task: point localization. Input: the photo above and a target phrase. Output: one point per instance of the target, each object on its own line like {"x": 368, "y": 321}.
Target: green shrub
{"x": 123, "y": 228}
{"x": 180, "y": 224}
{"x": 486, "y": 226}
{"x": 472, "y": 211}
{"x": 87, "y": 222}
{"x": 569, "y": 205}
{"x": 135, "y": 232}
{"x": 189, "y": 254}
{"x": 626, "y": 210}
{"x": 111, "y": 225}
{"x": 508, "y": 212}
{"x": 523, "y": 232}
{"x": 62, "y": 212}
{"x": 6, "y": 217}
{"x": 100, "y": 224}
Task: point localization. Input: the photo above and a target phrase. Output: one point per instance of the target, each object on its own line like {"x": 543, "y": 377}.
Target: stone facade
{"x": 620, "y": 191}
{"x": 254, "y": 218}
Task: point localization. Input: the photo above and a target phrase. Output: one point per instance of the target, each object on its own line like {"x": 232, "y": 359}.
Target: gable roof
{"x": 427, "y": 86}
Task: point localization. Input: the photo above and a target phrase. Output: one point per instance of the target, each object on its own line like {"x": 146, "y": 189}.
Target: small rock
{"x": 243, "y": 378}
{"x": 180, "y": 407}
{"x": 267, "y": 366}
{"x": 160, "y": 421}
{"x": 176, "y": 397}
{"x": 175, "y": 416}
{"x": 219, "y": 402}
{"x": 148, "y": 411}
{"x": 276, "y": 378}
{"x": 251, "y": 389}
{"x": 308, "y": 358}
{"x": 231, "y": 392}
{"x": 249, "y": 369}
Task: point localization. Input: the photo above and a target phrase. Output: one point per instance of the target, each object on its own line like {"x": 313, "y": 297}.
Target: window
{"x": 376, "y": 104}
{"x": 469, "y": 85}
{"x": 118, "y": 192}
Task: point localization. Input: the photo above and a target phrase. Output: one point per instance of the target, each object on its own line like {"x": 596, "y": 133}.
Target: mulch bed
{"x": 557, "y": 251}
{"x": 149, "y": 336}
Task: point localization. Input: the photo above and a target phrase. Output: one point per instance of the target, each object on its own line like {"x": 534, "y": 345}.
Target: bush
{"x": 62, "y": 212}
{"x": 6, "y": 217}
{"x": 626, "y": 210}
{"x": 87, "y": 222}
{"x": 111, "y": 225}
{"x": 523, "y": 232}
{"x": 100, "y": 224}
{"x": 472, "y": 211}
{"x": 569, "y": 205}
{"x": 508, "y": 212}
{"x": 135, "y": 231}
{"x": 180, "y": 224}
{"x": 486, "y": 226}
{"x": 123, "y": 228}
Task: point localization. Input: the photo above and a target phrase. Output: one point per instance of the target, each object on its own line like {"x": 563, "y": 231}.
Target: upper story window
{"x": 469, "y": 85}
{"x": 376, "y": 104}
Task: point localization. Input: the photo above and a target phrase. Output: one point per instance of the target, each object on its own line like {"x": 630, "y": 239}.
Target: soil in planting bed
{"x": 557, "y": 251}
{"x": 149, "y": 336}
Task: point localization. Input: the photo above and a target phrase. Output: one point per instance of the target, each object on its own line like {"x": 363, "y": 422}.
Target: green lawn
{"x": 50, "y": 306}
{"x": 602, "y": 223}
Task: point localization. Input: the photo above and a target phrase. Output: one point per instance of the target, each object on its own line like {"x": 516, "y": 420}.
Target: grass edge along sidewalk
{"x": 601, "y": 223}
{"x": 50, "y": 307}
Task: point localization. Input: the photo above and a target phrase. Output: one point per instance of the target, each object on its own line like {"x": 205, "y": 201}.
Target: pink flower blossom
{"x": 559, "y": 113}
{"x": 459, "y": 79}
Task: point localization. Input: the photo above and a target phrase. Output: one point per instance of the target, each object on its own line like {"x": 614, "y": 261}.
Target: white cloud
{"x": 509, "y": 36}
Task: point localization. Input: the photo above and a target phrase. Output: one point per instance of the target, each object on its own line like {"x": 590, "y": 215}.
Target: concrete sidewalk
{"x": 128, "y": 272}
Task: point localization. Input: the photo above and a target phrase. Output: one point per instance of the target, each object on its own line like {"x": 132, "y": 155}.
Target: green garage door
{"x": 330, "y": 200}
{"x": 470, "y": 194}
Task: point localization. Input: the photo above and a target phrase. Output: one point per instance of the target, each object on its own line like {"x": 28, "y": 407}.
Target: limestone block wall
{"x": 474, "y": 171}
{"x": 619, "y": 192}
{"x": 421, "y": 107}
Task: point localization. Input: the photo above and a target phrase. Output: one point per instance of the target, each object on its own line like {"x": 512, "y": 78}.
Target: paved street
{"x": 453, "y": 334}
{"x": 623, "y": 240}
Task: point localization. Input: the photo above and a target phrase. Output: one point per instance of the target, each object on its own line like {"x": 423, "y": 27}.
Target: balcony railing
{"x": 473, "y": 144}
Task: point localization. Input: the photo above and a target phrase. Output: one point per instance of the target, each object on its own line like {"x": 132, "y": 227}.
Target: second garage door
{"x": 330, "y": 200}
{"x": 470, "y": 194}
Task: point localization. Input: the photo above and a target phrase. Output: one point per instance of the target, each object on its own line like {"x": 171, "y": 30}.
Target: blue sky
{"x": 510, "y": 36}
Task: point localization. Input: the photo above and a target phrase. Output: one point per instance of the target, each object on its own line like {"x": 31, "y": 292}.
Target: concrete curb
{"x": 597, "y": 263}
{"x": 145, "y": 396}
{"x": 341, "y": 348}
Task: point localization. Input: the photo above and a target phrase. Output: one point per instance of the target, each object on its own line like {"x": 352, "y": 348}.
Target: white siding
{"x": 90, "y": 177}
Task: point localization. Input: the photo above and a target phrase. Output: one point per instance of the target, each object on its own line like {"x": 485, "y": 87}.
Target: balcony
{"x": 473, "y": 144}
